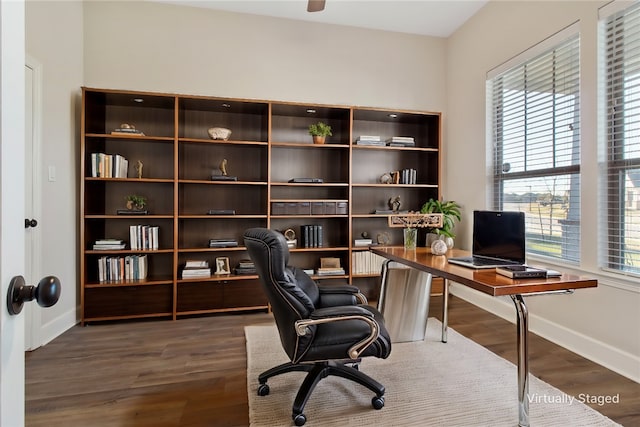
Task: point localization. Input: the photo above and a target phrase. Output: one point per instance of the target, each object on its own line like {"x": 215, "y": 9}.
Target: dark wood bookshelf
{"x": 269, "y": 145}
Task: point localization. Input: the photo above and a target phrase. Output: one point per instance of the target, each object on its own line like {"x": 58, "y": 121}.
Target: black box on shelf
{"x": 291, "y": 208}
{"x": 317, "y": 208}
{"x": 304, "y": 208}
{"x": 329, "y": 208}
{"x": 278, "y": 208}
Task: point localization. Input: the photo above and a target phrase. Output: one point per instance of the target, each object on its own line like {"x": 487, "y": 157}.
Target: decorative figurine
{"x": 138, "y": 167}
{"x": 394, "y": 203}
{"x": 439, "y": 247}
{"x": 219, "y": 133}
{"x": 223, "y": 167}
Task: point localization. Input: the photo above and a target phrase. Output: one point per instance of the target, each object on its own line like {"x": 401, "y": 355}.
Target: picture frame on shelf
{"x": 222, "y": 265}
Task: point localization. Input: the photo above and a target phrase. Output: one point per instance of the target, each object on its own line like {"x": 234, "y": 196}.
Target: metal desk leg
{"x": 523, "y": 360}
{"x": 383, "y": 285}
{"x": 445, "y": 309}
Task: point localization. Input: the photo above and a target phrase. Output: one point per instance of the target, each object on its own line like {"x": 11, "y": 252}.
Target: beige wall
{"x": 160, "y": 47}
{"x": 604, "y": 323}
{"x": 54, "y": 40}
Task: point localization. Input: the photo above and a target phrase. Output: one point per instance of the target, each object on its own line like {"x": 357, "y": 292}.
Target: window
{"x": 620, "y": 204}
{"x": 534, "y": 114}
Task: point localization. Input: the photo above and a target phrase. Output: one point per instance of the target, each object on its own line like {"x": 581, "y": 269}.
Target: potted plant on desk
{"x": 451, "y": 213}
{"x": 319, "y": 131}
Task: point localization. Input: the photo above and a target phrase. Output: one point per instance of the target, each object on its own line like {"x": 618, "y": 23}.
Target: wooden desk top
{"x": 487, "y": 281}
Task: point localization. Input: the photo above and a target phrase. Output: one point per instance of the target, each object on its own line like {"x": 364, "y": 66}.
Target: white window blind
{"x": 620, "y": 204}
{"x": 535, "y": 122}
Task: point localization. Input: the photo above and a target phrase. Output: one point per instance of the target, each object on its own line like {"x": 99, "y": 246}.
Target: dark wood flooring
{"x": 192, "y": 372}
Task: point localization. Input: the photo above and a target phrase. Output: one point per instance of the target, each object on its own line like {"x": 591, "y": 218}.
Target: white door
{"x": 12, "y": 60}
{"x": 32, "y": 273}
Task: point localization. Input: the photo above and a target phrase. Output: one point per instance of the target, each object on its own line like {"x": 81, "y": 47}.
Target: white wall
{"x": 160, "y": 47}
{"x": 54, "y": 39}
{"x": 603, "y": 323}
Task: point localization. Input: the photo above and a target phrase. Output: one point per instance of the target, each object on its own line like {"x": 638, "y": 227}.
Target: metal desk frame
{"x": 489, "y": 282}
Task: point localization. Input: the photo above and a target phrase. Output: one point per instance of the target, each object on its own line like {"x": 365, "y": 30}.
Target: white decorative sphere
{"x": 438, "y": 247}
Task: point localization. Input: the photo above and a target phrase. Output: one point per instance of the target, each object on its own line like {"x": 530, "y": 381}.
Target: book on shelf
{"x": 366, "y": 262}
{"x": 127, "y": 131}
{"x": 311, "y": 236}
{"x": 196, "y": 263}
{"x": 362, "y": 242}
{"x": 370, "y": 140}
{"x": 122, "y": 268}
{"x": 108, "y": 244}
{"x": 402, "y": 139}
{"x": 223, "y": 178}
{"x": 407, "y": 176}
{"x": 109, "y": 166}
{"x": 223, "y": 243}
{"x": 196, "y": 269}
{"x": 329, "y": 271}
{"x": 196, "y": 273}
{"x": 132, "y": 212}
{"x": 245, "y": 266}
{"x": 144, "y": 237}
{"x": 221, "y": 212}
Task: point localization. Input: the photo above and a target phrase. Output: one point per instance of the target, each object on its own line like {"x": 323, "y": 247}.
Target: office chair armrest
{"x": 348, "y": 290}
{"x": 337, "y": 314}
{"x": 339, "y": 311}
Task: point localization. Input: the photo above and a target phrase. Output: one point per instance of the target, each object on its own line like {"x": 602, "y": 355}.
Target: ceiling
{"x": 438, "y": 18}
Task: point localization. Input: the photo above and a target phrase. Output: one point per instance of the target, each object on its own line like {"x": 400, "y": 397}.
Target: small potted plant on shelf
{"x": 451, "y": 213}
{"x": 319, "y": 131}
{"x": 136, "y": 203}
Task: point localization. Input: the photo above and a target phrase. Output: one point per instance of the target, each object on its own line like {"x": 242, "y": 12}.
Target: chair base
{"x": 316, "y": 372}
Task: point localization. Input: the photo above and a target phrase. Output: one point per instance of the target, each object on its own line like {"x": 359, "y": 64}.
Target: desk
{"x": 491, "y": 283}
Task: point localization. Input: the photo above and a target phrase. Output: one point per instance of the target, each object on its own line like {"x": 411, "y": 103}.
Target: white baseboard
{"x": 601, "y": 353}
{"x": 58, "y": 326}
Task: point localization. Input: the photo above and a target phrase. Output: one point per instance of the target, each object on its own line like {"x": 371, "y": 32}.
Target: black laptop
{"x": 498, "y": 240}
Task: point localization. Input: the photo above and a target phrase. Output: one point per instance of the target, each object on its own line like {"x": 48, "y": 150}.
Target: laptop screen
{"x": 499, "y": 235}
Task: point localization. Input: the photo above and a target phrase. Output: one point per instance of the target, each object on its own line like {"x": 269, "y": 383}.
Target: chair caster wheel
{"x": 299, "y": 419}
{"x": 377, "y": 402}
{"x": 263, "y": 390}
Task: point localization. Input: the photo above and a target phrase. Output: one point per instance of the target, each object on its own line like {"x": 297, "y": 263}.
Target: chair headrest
{"x": 274, "y": 242}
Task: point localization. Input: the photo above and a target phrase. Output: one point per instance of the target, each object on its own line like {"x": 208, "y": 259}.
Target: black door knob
{"x": 30, "y": 223}
{"x": 47, "y": 293}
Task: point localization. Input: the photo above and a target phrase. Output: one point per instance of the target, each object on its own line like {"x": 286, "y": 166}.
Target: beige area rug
{"x": 428, "y": 383}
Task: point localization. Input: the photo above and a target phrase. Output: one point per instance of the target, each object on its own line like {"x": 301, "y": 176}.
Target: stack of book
{"x": 311, "y": 236}
{"x": 401, "y": 141}
{"x": 130, "y": 131}
{"x": 109, "y": 166}
{"x": 108, "y": 245}
{"x": 144, "y": 237}
{"x": 329, "y": 271}
{"x": 114, "y": 269}
{"x": 370, "y": 140}
{"x": 245, "y": 266}
{"x": 196, "y": 269}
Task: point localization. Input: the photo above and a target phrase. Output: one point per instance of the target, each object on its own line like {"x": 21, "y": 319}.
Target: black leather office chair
{"x": 323, "y": 329}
